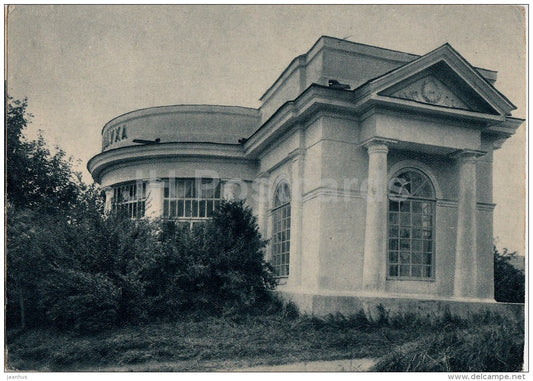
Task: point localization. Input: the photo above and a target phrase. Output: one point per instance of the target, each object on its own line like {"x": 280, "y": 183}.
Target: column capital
{"x": 156, "y": 182}
{"x": 467, "y": 154}
{"x": 377, "y": 144}
{"x": 497, "y": 144}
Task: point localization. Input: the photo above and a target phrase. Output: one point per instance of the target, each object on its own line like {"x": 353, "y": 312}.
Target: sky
{"x": 81, "y": 66}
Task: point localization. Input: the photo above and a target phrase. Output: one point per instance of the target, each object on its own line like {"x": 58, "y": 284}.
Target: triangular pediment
{"x": 430, "y": 90}
{"x": 441, "y": 78}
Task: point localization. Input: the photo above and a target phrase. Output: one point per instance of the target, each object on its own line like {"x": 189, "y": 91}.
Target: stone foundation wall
{"x": 321, "y": 305}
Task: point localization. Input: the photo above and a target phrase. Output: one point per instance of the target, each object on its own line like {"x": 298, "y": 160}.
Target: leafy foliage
{"x": 509, "y": 282}
{"x": 93, "y": 273}
{"x": 70, "y": 266}
{"x": 36, "y": 178}
{"x": 80, "y": 300}
{"x": 216, "y": 267}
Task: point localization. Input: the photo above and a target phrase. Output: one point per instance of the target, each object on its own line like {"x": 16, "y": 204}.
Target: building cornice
{"x": 425, "y": 108}
{"x": 317, "y": 98}
{"x": 130, "y": 154}
{"x": 466, "y": 154}
{"x": 296, "y": 111}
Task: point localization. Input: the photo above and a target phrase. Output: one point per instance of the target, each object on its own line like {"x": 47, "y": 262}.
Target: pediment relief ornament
{"x": 430, "y": 90}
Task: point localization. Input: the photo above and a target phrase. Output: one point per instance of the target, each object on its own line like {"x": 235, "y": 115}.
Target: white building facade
{"x": 369, "y": 170}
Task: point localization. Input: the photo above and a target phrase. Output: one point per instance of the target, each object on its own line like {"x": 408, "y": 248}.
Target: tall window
{"x": 191, "y": 199}
{"x": 411, "y": 227}
{"x": 281, "y": 231}
{"x": 130, "y": 199}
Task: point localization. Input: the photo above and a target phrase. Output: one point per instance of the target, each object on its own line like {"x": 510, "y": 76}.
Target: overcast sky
{"x": 81, "y": 66}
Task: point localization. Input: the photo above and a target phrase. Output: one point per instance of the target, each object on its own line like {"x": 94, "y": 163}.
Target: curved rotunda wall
{"x": 179, "y": 167}
{"x": 182, "y": 123}
{"x": 195, "y": 160}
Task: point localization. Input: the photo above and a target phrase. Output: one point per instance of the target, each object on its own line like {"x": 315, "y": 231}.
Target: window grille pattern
{"x": 411, "y": 226}
{"x": 281, "y": 231}
{"x": 130, "y": 199}
{"x": 191, "y": 198}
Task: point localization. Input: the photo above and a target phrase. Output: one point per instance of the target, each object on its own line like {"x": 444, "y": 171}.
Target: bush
{"x": 80, "y": 301}
{"x": 69, "y": 273}
{"x": 509, "y": 282}
{"x": 238, "y": 275}
{"x": 89, "y": 272}
{"x": 71, "y": 266}
{"x": 217, "y": 267}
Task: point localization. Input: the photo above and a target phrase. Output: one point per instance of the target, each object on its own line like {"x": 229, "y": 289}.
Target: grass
{"x": 491, "y": 345}
{"x": 403, "y": 343}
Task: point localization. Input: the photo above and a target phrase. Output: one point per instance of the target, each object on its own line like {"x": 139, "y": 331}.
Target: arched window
{"x": 411, "y": 230}
{"x": 281, "y": 230}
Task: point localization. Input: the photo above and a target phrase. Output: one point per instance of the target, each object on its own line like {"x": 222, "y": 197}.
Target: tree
{"x": 16, "y": 121}
{"x": 215, "y": 267}
{"x": 509, "y": 282}
{"x": 70, "y": 266}
{"x": 36, "y": 178}
{"x": 239, "y": 276}
{"x": 46, "y": 202}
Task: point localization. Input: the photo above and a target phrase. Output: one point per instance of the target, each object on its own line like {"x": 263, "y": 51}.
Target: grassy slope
{"x": 226, "y": 343}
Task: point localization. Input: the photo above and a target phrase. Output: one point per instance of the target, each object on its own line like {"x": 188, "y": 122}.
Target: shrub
{"x": 509, "y": 282}
{"x": 80, "y": 301}
{"x": 71, "y": 266}
{"x": 91, "y": 272}
{"x": 70, "y": 273}
{"x": 216, "y": 267}
{"x": 238, "y": 274}
{"x": 291, "y": 311}
{"x": 23, "y": 262}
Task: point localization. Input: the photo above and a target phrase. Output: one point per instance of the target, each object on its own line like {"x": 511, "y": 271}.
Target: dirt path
{"x": 353, "y": 365}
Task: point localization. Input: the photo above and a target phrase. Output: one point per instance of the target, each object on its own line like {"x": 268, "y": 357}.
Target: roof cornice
{"x": 317, "y": 97}
{"x": 130, "y": 154}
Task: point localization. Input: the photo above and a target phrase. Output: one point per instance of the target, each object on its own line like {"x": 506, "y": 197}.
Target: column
{"x": 466, "y": 255}
{"x": 262, "y": 194}
{"x": 375, "y": 256}
{"x": 155, "y": 198}
{"x": 231, "y": 189}
{"x": 296, "y": 242}
{"x": 108, "y": 207}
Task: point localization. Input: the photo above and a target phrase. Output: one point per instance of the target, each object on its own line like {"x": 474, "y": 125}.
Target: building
{"x": 369, "y": 170}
